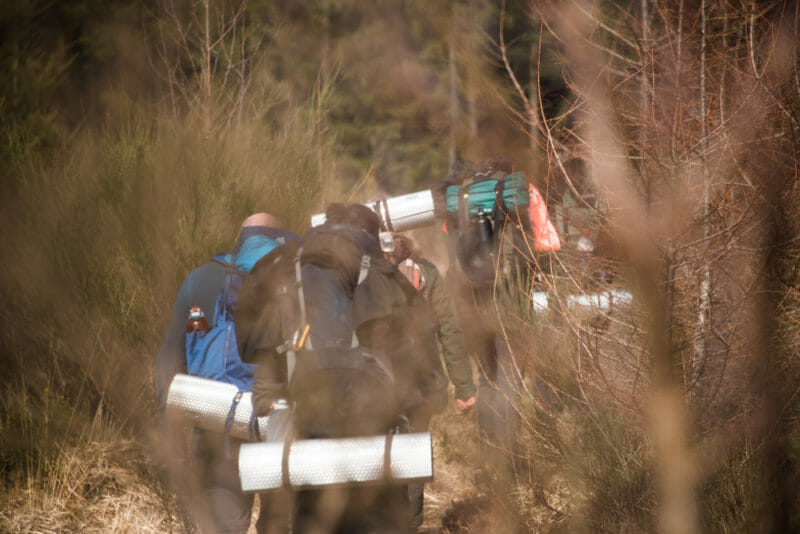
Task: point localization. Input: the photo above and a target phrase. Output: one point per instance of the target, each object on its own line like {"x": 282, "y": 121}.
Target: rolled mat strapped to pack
{"x": 398, "y": 213}
{"x": 207, "y": 404}
{"x": 602, "y": 300}
{"x": 331, "y": 462}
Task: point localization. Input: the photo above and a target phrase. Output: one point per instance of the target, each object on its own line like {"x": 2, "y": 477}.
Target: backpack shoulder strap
{"x": 301, "y": 333}
{"x": 366, "y": 260}
{"x": 463, "y": 207}
{"x": 499, "y": 208}
{"x": 220, "y": 307}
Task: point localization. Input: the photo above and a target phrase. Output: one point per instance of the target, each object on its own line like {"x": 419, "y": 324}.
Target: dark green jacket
{"x": 448, "y": 330}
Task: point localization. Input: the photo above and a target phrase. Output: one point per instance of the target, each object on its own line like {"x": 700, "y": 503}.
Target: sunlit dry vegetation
{"x": 137, "y": 135}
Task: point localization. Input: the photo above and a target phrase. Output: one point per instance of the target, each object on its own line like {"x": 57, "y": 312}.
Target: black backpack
{"x": 303, "y": 326}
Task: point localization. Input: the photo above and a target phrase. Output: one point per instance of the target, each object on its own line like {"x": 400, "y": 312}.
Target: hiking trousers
{"x": 229, "y": 507}
{"x": 496, "y": 388}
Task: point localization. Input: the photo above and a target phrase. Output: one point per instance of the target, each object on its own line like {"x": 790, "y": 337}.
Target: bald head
{"x": 262, "y": 219}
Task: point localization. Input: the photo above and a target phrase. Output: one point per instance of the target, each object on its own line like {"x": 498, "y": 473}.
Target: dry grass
{"x": 104, "y": 484}
{"x": 457, "y": 463}
{"x": 137, "y": 205}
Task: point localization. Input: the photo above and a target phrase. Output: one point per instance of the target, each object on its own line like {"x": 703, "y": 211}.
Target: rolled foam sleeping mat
{"x": 207, "y": 403}
{"x": 333, "y": 462}
{"x": 398, "y": 213}
{"x": 603, "y": 300}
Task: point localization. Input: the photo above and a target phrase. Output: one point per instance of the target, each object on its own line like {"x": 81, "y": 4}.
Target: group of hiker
{"x": 360, "y": 334}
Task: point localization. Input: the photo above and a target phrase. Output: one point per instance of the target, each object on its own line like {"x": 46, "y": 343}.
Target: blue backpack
{"x": 215, "y": 354}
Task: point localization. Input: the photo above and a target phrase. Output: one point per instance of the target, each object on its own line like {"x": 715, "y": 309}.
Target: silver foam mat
{"x": 206, "y": 404}
{"x": 405, "y": 212}
{"x": 327, "y": 462}
{"x": 399, "y": 213}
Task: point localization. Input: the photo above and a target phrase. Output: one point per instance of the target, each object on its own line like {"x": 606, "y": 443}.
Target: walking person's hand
{"x": 464, "y": 405}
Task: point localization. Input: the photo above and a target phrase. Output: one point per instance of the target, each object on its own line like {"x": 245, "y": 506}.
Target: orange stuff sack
{"x": 545, "y": 237}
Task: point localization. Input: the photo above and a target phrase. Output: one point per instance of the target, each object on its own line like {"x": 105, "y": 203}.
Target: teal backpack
{"x": 482, "y": 190}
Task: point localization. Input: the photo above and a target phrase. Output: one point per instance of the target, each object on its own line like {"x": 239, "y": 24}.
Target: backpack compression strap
{"x": 253, "y": 431}
{"x": 221, "y": 310}
{"x": 498, "y": 215}
{"x": 229, "y": 422}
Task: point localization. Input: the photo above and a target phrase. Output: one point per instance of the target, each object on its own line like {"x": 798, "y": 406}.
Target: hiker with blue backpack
{"x": 211, "y": 486}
